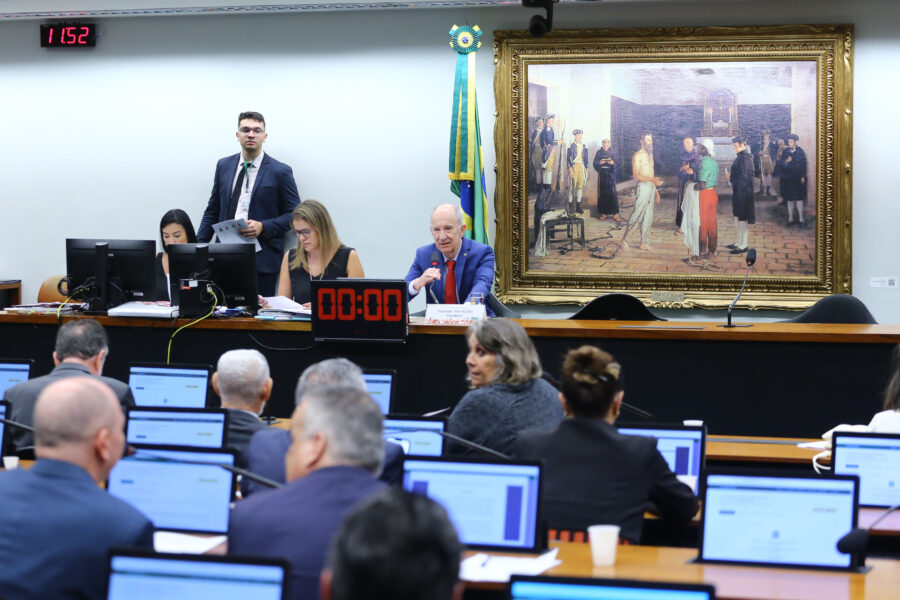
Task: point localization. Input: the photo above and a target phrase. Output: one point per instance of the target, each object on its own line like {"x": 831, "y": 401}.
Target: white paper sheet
{"x": 487, "y": 567}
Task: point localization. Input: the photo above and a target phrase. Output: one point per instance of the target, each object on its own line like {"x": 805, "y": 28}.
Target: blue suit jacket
{"x": 272, "y": 200}
{"x": 55, "y": 528}
{"x": 298, "y": 521}
{"x": 474, "y": 271}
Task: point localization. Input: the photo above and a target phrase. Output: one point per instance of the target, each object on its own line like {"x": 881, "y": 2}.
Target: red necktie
{"x": 450, "y": 285}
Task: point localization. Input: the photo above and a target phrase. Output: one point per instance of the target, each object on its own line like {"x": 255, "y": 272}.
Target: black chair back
{"x": 837, "y": 308}
{"x": 616, "y": 307}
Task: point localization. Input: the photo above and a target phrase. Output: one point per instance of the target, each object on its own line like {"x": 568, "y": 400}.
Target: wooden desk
{"x": 653, "y": 563}
{"x": 749, "y": 449}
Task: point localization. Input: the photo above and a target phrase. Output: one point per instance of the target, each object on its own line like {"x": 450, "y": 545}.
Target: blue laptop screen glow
{"x": 490, "y": 504}
{"x": 415, "y": 443}
{"x": 554, "y": 590}
{"x": 379, "y": 387}
{"x": 176, "y": 496}
{"x": 12, "y": 374}
{"x": 876, "y": 460}
{"x": 202, "y": 429}
{"x": 3, "y": 415}
{"x": 168, "y": 386}
{"x": 680, "y": 447}
{"x": 152, "y": 578}
{"x": 777, "y": 520}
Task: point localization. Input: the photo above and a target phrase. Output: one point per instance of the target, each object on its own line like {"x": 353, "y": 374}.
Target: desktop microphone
{"x": 856, "y": 540}
{"x": 22, "y": 426}
{"x": 751, "y": 258}
{"x": 461, "y": 442}
{"x": 625, "y": 406}
{"x": 131, "y": 450}
{"x": 434, "y": 265}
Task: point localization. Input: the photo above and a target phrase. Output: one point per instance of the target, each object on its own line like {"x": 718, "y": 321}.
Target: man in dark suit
{"x": 243, "y": 384}
{"x": 55, "y": 522}
{"x": 81, "y": 349}
{"x": 743, "y": 206}
{"x": 337, "y": 447}
{"x": 453, "y": 267}
{"x": 254, "y": 186}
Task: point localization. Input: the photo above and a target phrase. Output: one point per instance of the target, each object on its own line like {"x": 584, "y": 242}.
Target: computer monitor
{"x": 494, "y": 505}
{"x": 135, "y": 574}
{"x": 173, "y": 385}
{"x": 165, "y": 484}
{"x": 407, "y": 432}
{"x": 14, "y": 371}
{"x": 778, "y": 520}
{"x": 683, "y": 447}
{"x": 875, "y": 458}
{"x": 231, "y": 267}
{"x": 4, "y": 414}
{"x": 526, "y": 587}
{"x": 380, "y": 385}
{"x": 164, "y": 426}
{"x": 107, "y": 273}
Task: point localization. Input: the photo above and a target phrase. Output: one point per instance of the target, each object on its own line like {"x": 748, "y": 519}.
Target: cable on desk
{"x": 260, "y": 344}
{"x": 207, "y": 315}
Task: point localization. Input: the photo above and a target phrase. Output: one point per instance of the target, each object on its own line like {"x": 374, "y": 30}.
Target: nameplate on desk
{"x": 453, "y": 314}
{"x": 667, "y": 297}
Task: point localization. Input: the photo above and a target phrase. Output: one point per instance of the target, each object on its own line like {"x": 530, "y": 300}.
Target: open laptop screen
{"x": 13, "y": 372}
{"x": 405, "y": 432}
{"x": 4, "y": 414}
{"x": 494, "y": 505}
{"x": 182, "y": 386}
{"x": 524, "y": 587}
{"x": 204, "y": 428}
{"x": 778, "y": 520}
{"x": 875, "y": 458}
{"x": 683, "y": 448}
{"x": 380, "y": 385}
{"x": 176, "y": 495}
{"x": 153, "y": 576}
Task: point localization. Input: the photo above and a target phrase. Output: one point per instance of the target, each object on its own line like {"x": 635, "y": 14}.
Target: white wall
{"x": 103, "y": 141}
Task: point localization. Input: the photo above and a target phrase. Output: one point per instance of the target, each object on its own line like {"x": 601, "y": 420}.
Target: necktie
{"x": 236, "y": 192}
{"x": 450, "y": 285}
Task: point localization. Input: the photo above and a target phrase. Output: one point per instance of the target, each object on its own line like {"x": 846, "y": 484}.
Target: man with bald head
{"x": 56, "y": 524}
{"x": 454, "y": 267}
{"x": 243, "y": 384}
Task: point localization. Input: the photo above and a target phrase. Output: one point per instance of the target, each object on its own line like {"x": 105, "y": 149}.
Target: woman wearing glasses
{"x": 319, "y": 253}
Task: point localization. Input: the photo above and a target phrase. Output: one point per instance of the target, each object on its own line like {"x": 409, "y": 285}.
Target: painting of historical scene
{"x": 672, "y": 168}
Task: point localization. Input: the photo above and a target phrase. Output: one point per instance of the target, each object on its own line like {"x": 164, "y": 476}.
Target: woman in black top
{"x": 175, "y": 227}
{"x": 319, "y": 253}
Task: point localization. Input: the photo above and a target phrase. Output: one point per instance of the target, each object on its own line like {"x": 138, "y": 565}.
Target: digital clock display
{"x": 71, "y": 35}
{"x": 359, "y": 309}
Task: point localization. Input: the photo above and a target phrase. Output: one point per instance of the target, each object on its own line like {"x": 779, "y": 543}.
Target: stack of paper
{"x": 153, "y": 310}
{"x": 279, "y": 307}
{"x": 487, "y": 567}
{"x": 45, "y": 308}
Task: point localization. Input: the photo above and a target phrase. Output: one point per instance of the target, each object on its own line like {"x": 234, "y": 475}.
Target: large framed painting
{"x": 655, "y": 161}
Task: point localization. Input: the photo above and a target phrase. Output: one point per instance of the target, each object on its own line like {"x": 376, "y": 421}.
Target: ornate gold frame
{"x": 830, "y": 46}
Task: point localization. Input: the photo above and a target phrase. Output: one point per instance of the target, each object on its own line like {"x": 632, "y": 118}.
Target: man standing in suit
{"x": 254, "y": 186}
{"x": 743, "y": 206}
{"x": 336, "y": 450}
{"x": 455, "y": 266}
{"x": 81, "y": 349}
{"x": 55, "y": 522}
{"x": 243, "y": 384}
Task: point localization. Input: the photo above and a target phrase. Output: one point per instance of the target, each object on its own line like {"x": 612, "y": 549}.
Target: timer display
{"x": 80, "y": 35}
{"x": 359, "y": 309}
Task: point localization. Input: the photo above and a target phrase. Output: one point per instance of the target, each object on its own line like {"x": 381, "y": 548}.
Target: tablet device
{"x": 184, "y": 386}
{"x": 523, "y": 587}
{"x": 418, "y": 436}
{"x": 683, "y": 447}
{"x": 14, "y": 371}
{"x": 164, "y": 426}
{"x": 380, "y": 385}
{"x": 875, "y": 459}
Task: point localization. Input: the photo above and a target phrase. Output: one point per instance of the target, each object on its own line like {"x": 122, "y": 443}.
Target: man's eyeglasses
{"x": 256, "y": 130}
{"x": 303, "y": 233}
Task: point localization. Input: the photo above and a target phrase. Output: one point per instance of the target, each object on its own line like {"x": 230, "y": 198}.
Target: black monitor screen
{"x": 128, "y": 268}
{"x": 232, "y": 267}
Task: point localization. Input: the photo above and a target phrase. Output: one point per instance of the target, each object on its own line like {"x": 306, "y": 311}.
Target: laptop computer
{"x": 184, "y": 386}
{"x": 14, "y": 371}
{"x": 5, "y": 410}
{"x": 875, "y": 458}
{"x": 406, "y": 431}
{"x": 166, "y": 426}
{"x": 778, "y": 520}
{"x": 683, "y": 447}
{"x": 136, "y": 574}
{"x": 174, "y": 494}
{"x": 380, "y": 385}
{"x": 495, "y": 505}
{"x": 527, "y": 587}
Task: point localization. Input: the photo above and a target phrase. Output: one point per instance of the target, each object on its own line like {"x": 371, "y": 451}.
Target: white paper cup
{"x": 604, "y": 541}
{"x": 10, "y": 462}
{"x": 693, "y": 423}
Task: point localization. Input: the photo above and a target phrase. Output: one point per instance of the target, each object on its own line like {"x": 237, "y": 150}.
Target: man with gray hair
{"x": 243, "y": 384}
{"x": 336, "y": 450}
{"x": 81, "y": 350}
{"x": 55, "y": 522}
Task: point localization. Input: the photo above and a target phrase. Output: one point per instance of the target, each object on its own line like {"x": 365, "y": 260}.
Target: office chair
{"x": 49, "y": 291}
{"x": 837, "y": 308}
{"x": 500, "y": 309}
{"x": 616, "y": 307}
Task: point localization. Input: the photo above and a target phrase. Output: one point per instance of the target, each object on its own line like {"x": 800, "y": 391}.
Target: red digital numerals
{"x": 374, "y": 305}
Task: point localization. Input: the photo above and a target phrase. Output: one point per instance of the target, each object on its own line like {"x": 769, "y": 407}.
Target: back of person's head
{"x": 590, "y": 380}
{"x": 517, "y": 359}
{"x": 176, "y": 215}
{"x": 83, "y": 338}
{"x": 241, "y": 375}
{"x": 892, "y": 392}
{"x": 333, "y": 371}
{"x": 394, "y": 546}
{"x": 350, "y": 421}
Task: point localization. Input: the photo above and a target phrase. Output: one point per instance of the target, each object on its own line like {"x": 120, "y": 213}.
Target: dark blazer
{"x": 241, "y": 427}
{"x": 595, "y": 475}
{"x": 23, "y": 397}
{"x": 474, "y": 271}
{"x": 56, "y": 526}
{"x": 298, "y": 521}
{"x": 273, "y": 198}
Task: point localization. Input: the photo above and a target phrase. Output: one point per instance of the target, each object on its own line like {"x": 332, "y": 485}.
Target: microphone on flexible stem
{"x": 751, "y": 258}
{"x": 856, "y": 540}
{"x": 131, "y": 451}
{"x": 625, "y": 406}
{"x": 434, "y": 263}
{"x": 18, "y": 425}
{"x": 461, "y": 441}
